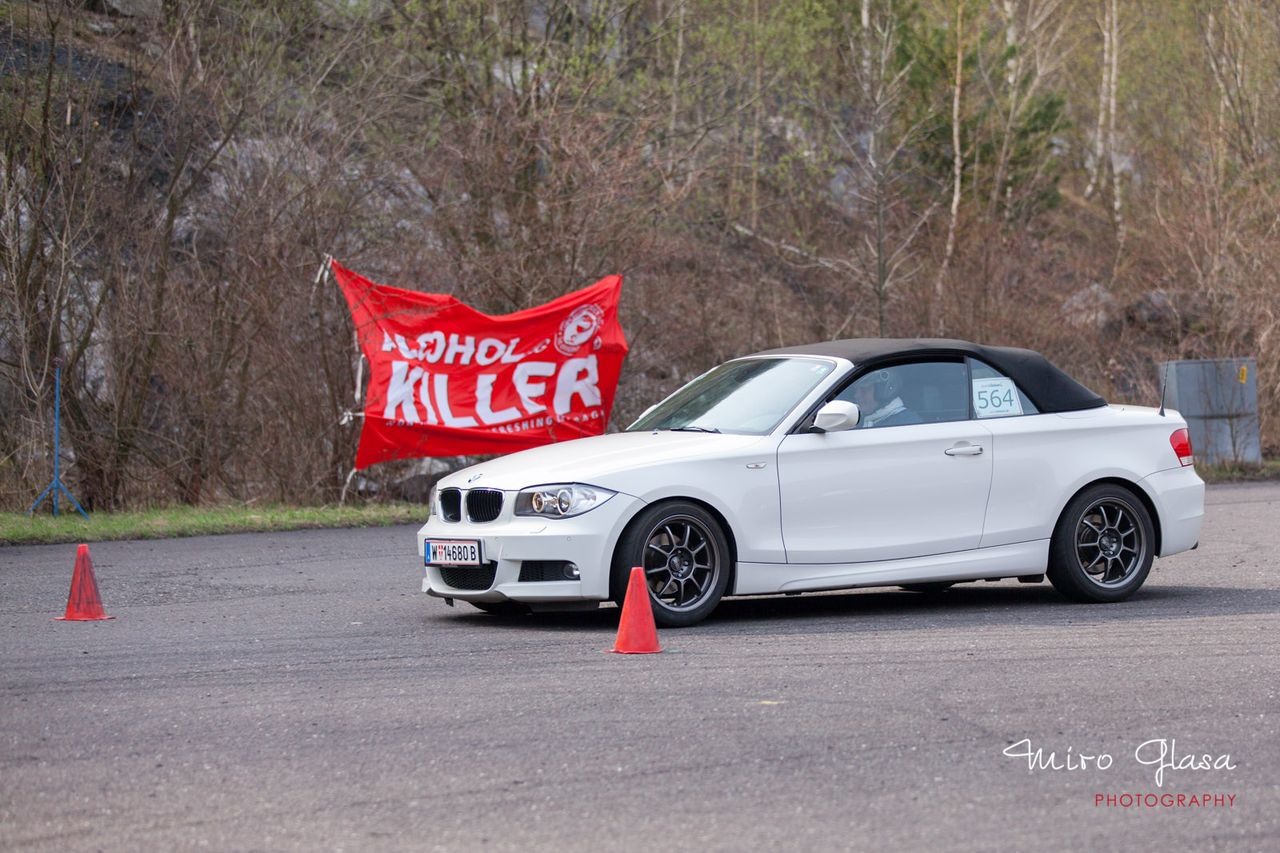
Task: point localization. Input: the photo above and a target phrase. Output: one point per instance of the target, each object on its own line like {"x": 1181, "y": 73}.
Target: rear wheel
{"x": 685, "y": 557}
{"x": 1103, "y": 546}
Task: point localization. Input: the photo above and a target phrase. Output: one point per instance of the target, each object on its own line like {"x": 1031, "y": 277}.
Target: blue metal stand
{"x": 55, "y": 487}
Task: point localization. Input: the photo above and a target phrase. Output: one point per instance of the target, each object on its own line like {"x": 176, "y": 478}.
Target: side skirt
{"x": 1022, "y": 558}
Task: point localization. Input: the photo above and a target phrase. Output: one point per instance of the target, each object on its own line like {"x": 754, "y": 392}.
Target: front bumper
{"x": 586, "y": 540}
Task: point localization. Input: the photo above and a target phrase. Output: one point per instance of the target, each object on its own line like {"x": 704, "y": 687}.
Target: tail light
{"x": 1181, "y": 442}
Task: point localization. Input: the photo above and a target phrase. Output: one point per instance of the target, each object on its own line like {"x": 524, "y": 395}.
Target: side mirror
{"x": 837, "y": 416}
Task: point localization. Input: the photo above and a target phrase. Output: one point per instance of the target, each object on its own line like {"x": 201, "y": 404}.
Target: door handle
{"x": 964, "y": 450}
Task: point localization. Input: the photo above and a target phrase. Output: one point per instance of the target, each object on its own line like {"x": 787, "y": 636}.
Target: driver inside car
{"x": 877, "y": 396}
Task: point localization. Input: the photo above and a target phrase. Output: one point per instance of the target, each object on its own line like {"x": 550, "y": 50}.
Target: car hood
{"x": 602, "y": 460}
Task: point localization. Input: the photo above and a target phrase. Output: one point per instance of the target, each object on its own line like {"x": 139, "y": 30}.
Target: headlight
{"x": 560, "y": 500}
{"x": 432, "y": 496}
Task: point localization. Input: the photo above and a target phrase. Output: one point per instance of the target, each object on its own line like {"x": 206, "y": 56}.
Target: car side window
{"x": 995, "y": 395}
{"x": 913, "y": 393}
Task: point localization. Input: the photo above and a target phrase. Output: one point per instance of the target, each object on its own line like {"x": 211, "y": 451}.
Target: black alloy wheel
{"x": 1103, "y": 546}
{"x": 685, "y": 557}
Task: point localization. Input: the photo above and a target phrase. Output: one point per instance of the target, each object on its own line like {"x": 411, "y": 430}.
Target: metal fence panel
{"x": 1219, "y": 399}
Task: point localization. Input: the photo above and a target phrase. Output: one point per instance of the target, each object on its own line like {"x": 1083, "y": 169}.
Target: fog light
{"x": 548, "y": 571}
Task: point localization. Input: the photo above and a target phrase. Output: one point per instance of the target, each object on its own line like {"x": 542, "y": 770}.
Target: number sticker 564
{"x": 995, "y": 397}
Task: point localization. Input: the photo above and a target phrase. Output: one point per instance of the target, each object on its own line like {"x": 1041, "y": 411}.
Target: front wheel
{"x": 685, "y": 557}
{"x": 1103, "y": 546}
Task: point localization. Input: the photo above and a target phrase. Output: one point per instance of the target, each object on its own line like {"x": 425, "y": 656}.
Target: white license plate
{"x": 452, "y": 552}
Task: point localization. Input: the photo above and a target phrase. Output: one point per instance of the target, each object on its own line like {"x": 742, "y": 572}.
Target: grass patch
{"x": 1239, "y": 473}
{"x": 43, "y": 528}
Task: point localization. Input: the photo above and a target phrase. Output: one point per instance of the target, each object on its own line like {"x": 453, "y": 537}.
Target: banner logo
{"x": 578, "y": 328}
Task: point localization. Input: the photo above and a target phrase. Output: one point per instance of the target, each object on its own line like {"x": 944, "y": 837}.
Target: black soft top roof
{"x": 1047, "y": 386}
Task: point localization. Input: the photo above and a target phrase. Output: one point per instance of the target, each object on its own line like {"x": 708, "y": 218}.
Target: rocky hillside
{"x": 1099, "y": 184}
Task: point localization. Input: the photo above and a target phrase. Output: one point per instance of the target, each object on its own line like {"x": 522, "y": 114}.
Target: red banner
{"x": 447, "y": 380}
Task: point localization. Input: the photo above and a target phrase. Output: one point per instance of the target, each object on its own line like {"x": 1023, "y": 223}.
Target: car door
{"x": 1034, "y": 454}
{"x": 911, "y": 483}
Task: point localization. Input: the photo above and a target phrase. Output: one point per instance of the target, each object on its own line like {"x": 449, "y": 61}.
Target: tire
{"x": 932, "y": 588}
{"x": 685, "y": 555}
{"x": 504, "y": 609}
{"x": 1103, "y": 546}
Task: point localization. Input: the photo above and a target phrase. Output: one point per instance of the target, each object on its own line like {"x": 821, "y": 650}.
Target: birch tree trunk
{"x": 957, "y": 171}
{"x": 757, "y": 114}
{"x": 1117, "y": 205}
{"x": 1100, "y": 154}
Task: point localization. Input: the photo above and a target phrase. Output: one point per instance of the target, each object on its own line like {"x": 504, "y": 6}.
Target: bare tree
{"x": 957, "y": 175}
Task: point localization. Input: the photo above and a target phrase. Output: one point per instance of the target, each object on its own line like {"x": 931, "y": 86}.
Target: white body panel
{"x": 861, "y": 495}
{"x": 651, "y": 467}
{"x": 1042, "y": 460}
{"x": 1178, "y": 494}
{"x": 837, "y": 510}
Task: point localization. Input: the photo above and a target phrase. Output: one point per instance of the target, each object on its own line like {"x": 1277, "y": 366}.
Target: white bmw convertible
{"x": 858, "y": 463}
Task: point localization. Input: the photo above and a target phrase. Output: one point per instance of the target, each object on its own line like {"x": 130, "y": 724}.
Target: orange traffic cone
{"x": 637, "y": 635}
{"x": 83, "y": 604}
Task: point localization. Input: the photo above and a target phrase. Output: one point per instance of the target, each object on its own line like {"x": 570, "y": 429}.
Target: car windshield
{"x": 748, "y": 397}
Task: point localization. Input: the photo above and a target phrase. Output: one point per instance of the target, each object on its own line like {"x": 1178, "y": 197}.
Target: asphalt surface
{"x": 296, "y": 691}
